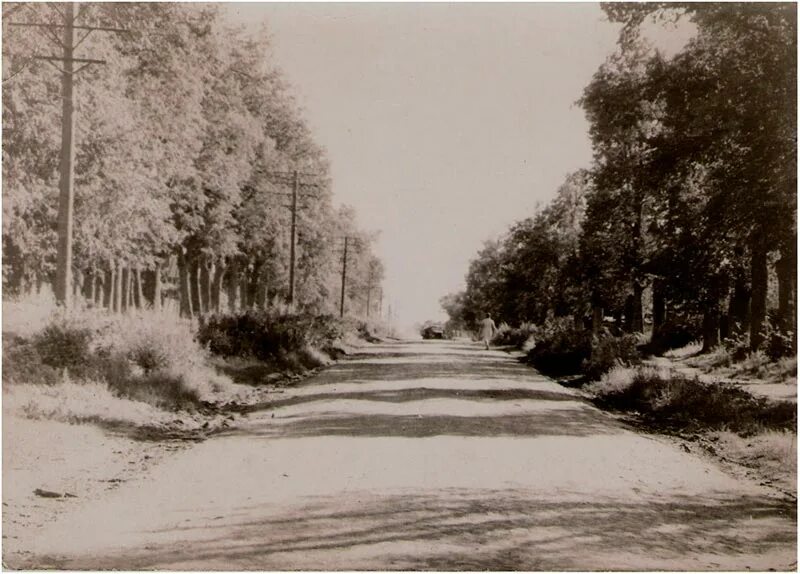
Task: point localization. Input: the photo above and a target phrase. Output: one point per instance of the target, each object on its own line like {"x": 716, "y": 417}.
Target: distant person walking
{"x": 488, "y": 329}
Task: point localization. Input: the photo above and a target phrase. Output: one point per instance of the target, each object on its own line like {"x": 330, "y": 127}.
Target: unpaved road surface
{"x": 434, "y": 456}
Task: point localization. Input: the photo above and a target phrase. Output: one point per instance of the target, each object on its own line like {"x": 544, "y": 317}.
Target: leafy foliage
{"x": 266, "y": 336}
{"x": 686, "y": 218}
{"x": 186, "y": 142}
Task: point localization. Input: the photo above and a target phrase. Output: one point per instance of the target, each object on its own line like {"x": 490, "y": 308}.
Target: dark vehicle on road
{"x": 433, "y": 331}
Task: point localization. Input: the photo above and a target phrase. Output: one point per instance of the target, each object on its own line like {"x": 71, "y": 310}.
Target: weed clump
{"x": 677, "y": 402}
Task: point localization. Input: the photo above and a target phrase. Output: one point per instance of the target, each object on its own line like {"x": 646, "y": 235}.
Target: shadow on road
{"x": 479, "y": 530}
{"x": 488, "y": 394}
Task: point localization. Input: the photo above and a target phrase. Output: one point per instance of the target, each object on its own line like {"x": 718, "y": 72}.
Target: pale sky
{"x": 444, "y": 123}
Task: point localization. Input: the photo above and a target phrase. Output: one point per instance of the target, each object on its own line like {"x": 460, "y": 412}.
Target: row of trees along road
{"x": 688, "y": 211}
{"x": 187, "y": 140}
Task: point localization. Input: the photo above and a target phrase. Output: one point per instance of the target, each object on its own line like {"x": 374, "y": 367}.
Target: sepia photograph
{"x": 407, "y": 286}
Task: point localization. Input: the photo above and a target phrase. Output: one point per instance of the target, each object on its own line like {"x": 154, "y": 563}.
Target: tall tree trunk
{"x": 261, "y": 291}
{"x": 77, "y": 285}
{"x": 13, "y": 257}
{"x": 184, "y": 291}
{"x": 118, "y": 288}
{"x": 252, "y": 288}
{"x": 659, "y": 308}
{"x": 710, "y": 327}
{"x": 194, "y": 286}
{"x": 216, "y": 286}
{"x": 637, "y": 318}
{"x": 157, "y": 287}
{"x": 739, "y": 306}
{"x": 232, "y": 280}
{"x": 99, "y": 287}
{"x": 244, "y": 288}
{"x": 758, "y": 305}
{"x": 138, "y": 295}
{"x": 785, "y": 269}
{"x": 88, "y": 287}
{"x": 148, "y": 287}
{"x": 108, "y": 288}
{"x": 205, "y": 286}
{"x": 597, "y": 320}
{"x": 125, "y": 284}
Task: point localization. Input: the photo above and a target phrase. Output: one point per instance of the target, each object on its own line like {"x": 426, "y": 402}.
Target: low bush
{"x": 678, "y": 402}
{"x": 561, "y": 350}
{"x": 22, "y": 363}
{"x": 516, "y": 337}
{"x": 64, "y": 343}
{"x": 737, "y": 346}
{"x": 564, "y": 350}
{"x": 266, "y": 336}
{"x": 608, "y": 352}
{"x": 141, "y": 356}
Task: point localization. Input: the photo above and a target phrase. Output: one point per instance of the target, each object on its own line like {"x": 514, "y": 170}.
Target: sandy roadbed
{"x": 426, "y": 456}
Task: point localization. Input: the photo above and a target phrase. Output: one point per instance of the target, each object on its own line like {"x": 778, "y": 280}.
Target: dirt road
{"x": 428, "y": 456}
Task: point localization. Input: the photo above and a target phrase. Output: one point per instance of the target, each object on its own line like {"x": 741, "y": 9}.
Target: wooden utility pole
{"x": 369, "y": 291}
{"x": 295, "y": 185}
{"x": 283, "y": 178}
{"x": 66, "y": 196}
{"x": 63, "y": 291}
{"x": 344, "y": 277}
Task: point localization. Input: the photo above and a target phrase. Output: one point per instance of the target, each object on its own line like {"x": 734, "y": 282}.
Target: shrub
{"x": 675, "y": 333}
{"x": 778, "y": 343}
{"x": 23, "y": 364}
{"x": 266, "y": 336}
{"x": 162, "y": 389}
{"x": 64, "y": 344}
{"x": 143, "y": 356}
{"x": 566, "y": 350}
{"x": 561, "y": 350}
{"x": 737, "y": 346}
{"x": 678, "y": 402}
{"x": 608, "y": 352}
{"x": 514, "y": 336}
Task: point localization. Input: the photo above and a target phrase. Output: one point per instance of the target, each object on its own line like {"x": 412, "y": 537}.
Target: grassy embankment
{"x": 151, "y": 373}
{"x": 729, "y": 402}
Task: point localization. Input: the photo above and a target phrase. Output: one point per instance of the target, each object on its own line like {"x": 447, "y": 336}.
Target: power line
{"x": 296, "y": 184}
{"x": 63, "y": 291}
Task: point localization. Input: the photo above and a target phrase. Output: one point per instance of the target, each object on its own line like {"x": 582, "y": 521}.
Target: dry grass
{"x": 683, "y": 352}
{"x": 676, "y": 402}
{"x": 772, "y": 453}
{"x": 720, "y": 363}
{"x": 87, "y": 401}
{"x": 135, "y": 368}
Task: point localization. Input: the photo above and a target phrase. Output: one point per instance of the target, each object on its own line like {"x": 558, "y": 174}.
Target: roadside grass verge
{"x": 758, "y": 365}
{"x": 141, "y": 369}
{"x": 773, "y": 453}
{"x": 673, "y": 401}
{"x": 726, "y": 421}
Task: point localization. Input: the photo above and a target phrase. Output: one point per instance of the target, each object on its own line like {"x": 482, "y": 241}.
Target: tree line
{"x": 188, "y": 139}
{"x": 686, "y": 216}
